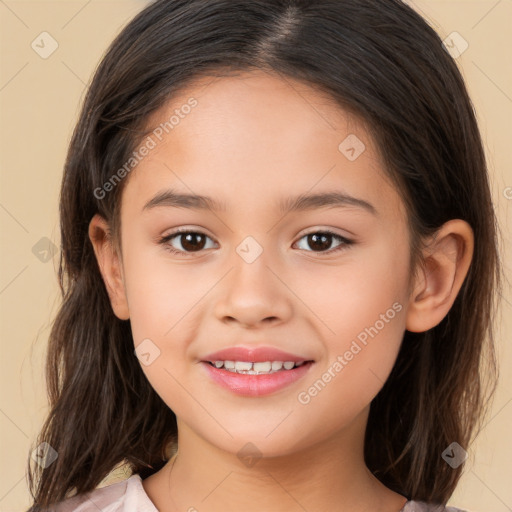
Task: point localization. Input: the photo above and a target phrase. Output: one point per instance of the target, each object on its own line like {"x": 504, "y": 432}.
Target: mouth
{"x": 256, "y": 378}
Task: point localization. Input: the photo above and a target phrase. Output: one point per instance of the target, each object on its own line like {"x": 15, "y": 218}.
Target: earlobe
{"x": 110, "y": 265}
{"x": 446, "y": 263}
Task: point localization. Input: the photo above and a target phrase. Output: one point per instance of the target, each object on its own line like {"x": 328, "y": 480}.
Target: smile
{"x": 254, "y": 379}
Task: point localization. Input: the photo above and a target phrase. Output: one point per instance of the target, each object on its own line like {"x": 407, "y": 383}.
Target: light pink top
{"x": 130, "y": 496}
{"x": 125, "y": 496}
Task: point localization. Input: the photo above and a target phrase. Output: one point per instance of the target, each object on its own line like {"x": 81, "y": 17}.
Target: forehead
{"x": 257, "y": 111}
{"x": 254, "y": 133}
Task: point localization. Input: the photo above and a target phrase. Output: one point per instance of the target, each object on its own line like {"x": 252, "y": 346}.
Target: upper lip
{"x": 254, "y": 354}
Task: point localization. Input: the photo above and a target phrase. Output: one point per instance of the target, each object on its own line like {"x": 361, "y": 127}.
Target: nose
{"x": 253, "y": 295}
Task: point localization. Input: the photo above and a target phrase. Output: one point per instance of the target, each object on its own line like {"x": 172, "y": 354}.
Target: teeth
{"x": 262, "y": 367}
{"x": 239, "y": 365}
{"x": 256, "y": 368}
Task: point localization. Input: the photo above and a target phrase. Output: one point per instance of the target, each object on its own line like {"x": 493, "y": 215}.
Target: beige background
{"x": 39, "y": 101}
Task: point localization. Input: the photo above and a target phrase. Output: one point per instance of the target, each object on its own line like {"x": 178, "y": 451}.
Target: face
{"x": 326, "y": 281}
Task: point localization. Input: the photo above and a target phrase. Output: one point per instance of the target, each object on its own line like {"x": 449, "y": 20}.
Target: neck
{"x": 330, "y": 476}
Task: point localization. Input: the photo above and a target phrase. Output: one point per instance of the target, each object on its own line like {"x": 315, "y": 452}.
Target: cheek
{"x": 353, "y": 295}
{"x": 161, "y": 298}
{"x": 161, "y": 294}
{"x": 359, "y": 358}
{"x": 362, "y": 307}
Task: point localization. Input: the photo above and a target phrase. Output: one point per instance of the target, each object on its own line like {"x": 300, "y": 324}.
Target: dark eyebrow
{"x": 171, "y": 198}
{"x": 175, "y": 199}
{"x": 321, "y": 200}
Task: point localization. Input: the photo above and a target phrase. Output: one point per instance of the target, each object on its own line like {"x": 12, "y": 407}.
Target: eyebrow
{"x": 171, "y": 198}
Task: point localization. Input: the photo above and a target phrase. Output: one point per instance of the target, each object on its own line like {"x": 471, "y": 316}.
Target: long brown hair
{"x": 380, "y": 60}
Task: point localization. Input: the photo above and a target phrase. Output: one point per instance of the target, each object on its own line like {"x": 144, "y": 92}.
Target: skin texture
{"x": 251, "y": 141}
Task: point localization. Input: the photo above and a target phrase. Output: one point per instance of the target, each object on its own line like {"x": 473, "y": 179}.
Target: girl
{"x": 279, "y": 267}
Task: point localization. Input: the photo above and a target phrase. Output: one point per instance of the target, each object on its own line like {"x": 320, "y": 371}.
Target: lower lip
{"x": 256, "y": 385}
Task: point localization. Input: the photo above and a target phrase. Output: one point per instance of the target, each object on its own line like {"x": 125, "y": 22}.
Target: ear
{"x": 110, "y": 265}
{"x": 447, "y": 259}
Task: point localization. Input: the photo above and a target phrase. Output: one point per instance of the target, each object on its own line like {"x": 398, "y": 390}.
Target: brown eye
{"x": 185, "y": 241}
{"x": 321, "y": 241}
{"x": 192, "y": 241}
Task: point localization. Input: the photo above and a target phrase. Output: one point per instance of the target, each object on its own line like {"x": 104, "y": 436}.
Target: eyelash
{"x": 167, "y": 238}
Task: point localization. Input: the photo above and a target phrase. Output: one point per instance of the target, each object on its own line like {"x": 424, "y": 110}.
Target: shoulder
{"x": 125, "y": 496}
{"x": 420, "y": 506}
